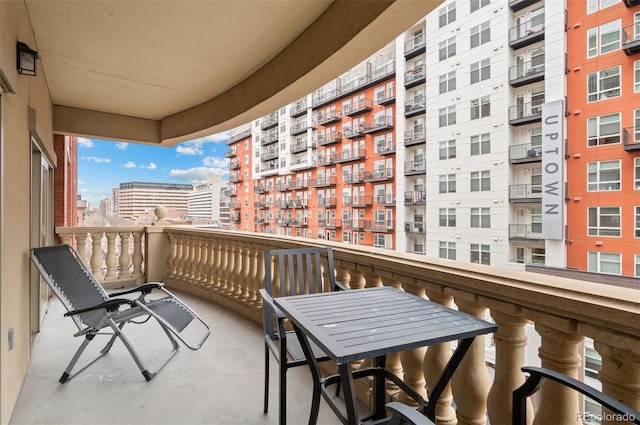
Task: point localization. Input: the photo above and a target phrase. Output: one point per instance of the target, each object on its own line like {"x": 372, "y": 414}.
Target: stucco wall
{"x": 21, "y": 94}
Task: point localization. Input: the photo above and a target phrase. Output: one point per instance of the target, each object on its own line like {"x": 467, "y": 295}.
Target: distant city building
{"x": 205, "y": 201}
{"x": 65, "y": 183}
{"x": 138, "y": 200}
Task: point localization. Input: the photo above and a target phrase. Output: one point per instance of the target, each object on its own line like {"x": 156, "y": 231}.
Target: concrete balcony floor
{"x": 222, "y": 383}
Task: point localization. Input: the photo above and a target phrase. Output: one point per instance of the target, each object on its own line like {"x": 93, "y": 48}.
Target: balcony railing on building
{"x": 525, "y": 152}
{"x": 330, "y": 223}
{"x": 323, "y": 182}
{"x": 233, "y": 192}
{"x": 234, "y": 164}
{"x": 235, "y": 178}
{"x": 352, "y": 132}
{"x": 299, "y": 109}
{"x": 631, "y": 39}
{"x": 386, "y": 97}
{"x": 270, "y": 168}
{"x": 525, "y": 113}
{"x": 378, "y": 225}
{"x": 412, "y": 168}
{"x": 415, "y": 76}
{"x": 531, "y": 232}
{"x": 415, "y": 106}
{"x": 360, "y": 107}
{"x": 358, "y": 201}
{"x": 269, "y": 121}
{"x": 527, "y": 33}
{"x": 415, "y": 197}
{"x": 329, "y": 202}
{"x": 328, "y": 139}
{"x": 304, "y": 163}
{"x": 269, "y": 138}
{"x": 325, "y": 159}
{"x": 302, "y": 146}
{"x": 525, "y": 193}
{"x": 378, "y": 175}
{"x": 300, "y": 128}
{"x": 517, "y": 5}
{"x": 631, "y": 138}
{"x": 351, "y": 224}
{"x": 259, "y": 188}
{"x": 231, "y": 153}
{"x": 415, "y": 46}
{"x": 385, "y": 200}
{"x": 526, "y": 73}
{"x": 329, "y": 117}
{"x": 352, "y": 178}
{"x": 415, "y": 137}
{"x": 379, "y": 124}
{"x": 386, "y": 148}
{"x": 415, "y": 227}
{"x": 239, "y": 136}
{"x": 284, "y": 186}
{"x": 349, "y": 155}
{"x": 269, "y": 154}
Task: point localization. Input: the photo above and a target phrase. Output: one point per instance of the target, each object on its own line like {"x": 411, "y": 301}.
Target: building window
{"x": 595, "y": 5}
{"x": 636, "y": 173}
{"x": 603, "y": 84}
{"x": 447, "y": 149}
{"x": 447, "y": 14}
{"x": 477, "y": 4}
{"x": 480, "y": 108}
{"x": 447, "y": 217}
{"x": 480, "y": 34}
{"x": 604, "y": 262}
{"x": 603, "y": 175}
{"x": 447, "y": 116}
{"x": 447, "y": 183}
{"x": 636, "y": 259}
{"x": 603, "y": 221}
{"x": 537, "y": 255}
{"x": 603, "y": 130}
{"x": 480, "y": 144}
{"x": 447, "y": 82}
{"x": 603, "y": 39}
{"x": 480, "y": 254}
{"x": 447, "y": 48}
{"x": 636, "y": 75}
{"x": 480, "y": 71}
{"x": 480, "y": 181}
{"x": 481, "y": 218}
{"x": 637, "y": 228}
{"x": 447, "y": 250}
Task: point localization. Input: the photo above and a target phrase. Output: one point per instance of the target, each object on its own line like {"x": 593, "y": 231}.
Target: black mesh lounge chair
{"x": 401, "y": 414}
{"x": 97, "y": 313}
{"x": 291, "y": 272}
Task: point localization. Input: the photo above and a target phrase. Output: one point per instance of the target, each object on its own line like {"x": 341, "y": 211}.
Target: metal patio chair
{"x": 97, "y": 313}
{"x": 401, "y": 414}
{"x": 291, "y": 272}
{"x": 538, "y": 375}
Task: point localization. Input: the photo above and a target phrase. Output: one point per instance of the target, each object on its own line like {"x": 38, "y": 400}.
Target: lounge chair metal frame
{"x": 97, "y": 313}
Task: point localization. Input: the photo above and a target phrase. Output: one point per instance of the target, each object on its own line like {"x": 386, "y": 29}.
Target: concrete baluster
{"x": 215, "y": 263}
{"x": 110, "y": 258}
{"x": 173, "y": 256}
{"x": 226, "y": 261}
{"x": 124, "y": 259}
{"x": 412, "y": 359}
{"x": 356, "y": 279}
{"x": 81, "y": 246}
{"x": 242, "y": 271}
{"x": 137, "y": 258}
{"x": 96, "y": 255}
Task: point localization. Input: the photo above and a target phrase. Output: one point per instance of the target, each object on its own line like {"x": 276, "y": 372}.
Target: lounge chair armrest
{"x": 268, "y": 299}
{"x": 110, "y": 305}
{"x": 341, "y": 286}
{"x": 403, "y": 414}
{"x": 145, "y": 289}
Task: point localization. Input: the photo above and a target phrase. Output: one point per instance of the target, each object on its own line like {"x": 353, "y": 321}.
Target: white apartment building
{"x": 206, "y": 199}
{"x": 138, "y": 200}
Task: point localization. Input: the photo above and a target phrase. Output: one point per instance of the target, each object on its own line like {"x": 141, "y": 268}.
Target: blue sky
{"x": 103, "y": 165}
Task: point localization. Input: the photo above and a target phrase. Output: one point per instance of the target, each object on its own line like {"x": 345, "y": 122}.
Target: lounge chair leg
{"x": 266, "y": 379}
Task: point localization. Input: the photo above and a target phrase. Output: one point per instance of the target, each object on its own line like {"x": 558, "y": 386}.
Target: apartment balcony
{"x": 526, "y": 33}
{"x": 261, "y": 205}
{"x": 349, "y": 224}
{"x": 631, "y": 138}
{"x": 352, "y": 178}
{"x": 379, "y": 124}
{"x": 302, "y": 146}
{"x": 235, "y": 218}
{"x": 231, "y": 153}
{"x": 294, "y": 222}
{"x": 525, "y": 113}
{"x": 631, "y": 39}
{"x": 283, "y": 187}
{"x": 302, "y": 164}
{"x": 269, "y": 138}
{"x": 270, "y": 169}
{"x": 357, "y": 201}
{"x": 350, "y": 155}
{"x": 378, "y": 225}
{"x": 415, "y": 107}
{"x": 388, "y": 148}
{"x": 415, "y": 137}
{"x": 329, "y": 139}
{"x": 387, "y": 97}
{"x": 415, "y": 76}
{"x": 378, "y": 175}
{"x": 416, "y": 197}
{"x": 352, "y": 133}
{"x": 299, "y": 109}
{"x": 239, "y": 136}
{"x": 526, "y": 232}
{"x": 269, "y": 121}
{"x": 525, "y": 193}
{"x": 415, "y": 46}
{"x": 299, "y": 128}
{"x": 259, "y": 188}
{"x": 235, "y": 178}
{"x": 323, "y": 182}
{"x": 412, "y": 168}
{"x": 235, "y": 205}
{"x": 330, "y": 117}
{"x": 234, "y": 164}
{"x": 385, "y": 200}
{"x": 360, "y": 108}
{"x": 524, "y": 153}
{"x": 269, "y": 155}
{"x": 216, "y": 272}
{"x": 517, "y": 5}
{"x": 233, "y": 192}
{"x": 325, "y": 161}
{"x": 525, "y": 73}
{"x": 415, "y": 228}
{"x": 329, "y": 202}
{"x": 331, "y": 223}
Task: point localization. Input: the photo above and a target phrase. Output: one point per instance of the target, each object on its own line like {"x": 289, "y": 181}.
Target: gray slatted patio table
{"x": 371, "y": 323}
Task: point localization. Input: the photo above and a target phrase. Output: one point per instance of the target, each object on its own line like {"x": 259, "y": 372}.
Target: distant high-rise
{"x": 205, "y": 201}
{"x": 138, "y": 200}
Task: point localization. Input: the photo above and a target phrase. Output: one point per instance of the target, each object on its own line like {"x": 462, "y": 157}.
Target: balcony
{"x": 525, "y": 193}
{"x": 386, "y": 97}
{"x": 329, "y": 139}
{"x": 415, "y": 137}
{"x": 322, "y": 182}
{"x": 231, "y": 153}
{"x": 412, "y": 168}
{"x": 524, "y": 153}
{"x": 269, "y": 121}
{"x": 329, "y": 202}
{"x": 352, "y": 178}
{"x": 234, "y": 164}
{"x": 261, "y": 205}
{"x": 415, "y": 47}
{"x": 415, "y": 228}
{"x": 239, "y": 136}
{"x": 517, "y": 5}
{"x": 415, "y": 107}
{"x": 259, "y": 188}
{"x": 415, "y": 76}
{"x": 330, "y": 117}
{"x": 378, "y": 225}
{"x": 359, "y": 108}
{"x": 526, "y": 33}
{"x": 349, "y": 155}
{"x": 302, "y": 146}
{"x": 385, "y": 200}
{"x": 269, "y": 155}
{"x": 331, "y": 223}
{"x": 631, "y": 138}
{"x": 325, "y": 161}
{"x": 235, "y": 178}
{"x": 525, "y": 113}
{"x": 378, "y": 175}
{"x": 269, "y": 138}
{"x": 299, "y": 109}
{"x": 631, "y": 39}
{"x": 416, "y": 197}
{"x": 299, "y": 128}
{"x": 352, "y": 133}
{"x": 526, "y": 73}
{"x": 349, "y": 224}
{"x": 526, "y": 232}
{"x": 563, "y": 310}
{"x": 383, "y": 123}
{"x": 357, "y": 201}
{"x": 386, "y": 148}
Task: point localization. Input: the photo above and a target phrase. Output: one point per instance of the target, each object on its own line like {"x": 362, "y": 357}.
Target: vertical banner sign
{"x": 553, "y": 170}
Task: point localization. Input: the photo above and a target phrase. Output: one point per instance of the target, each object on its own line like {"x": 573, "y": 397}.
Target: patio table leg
{"x": 346, "y": 379}
{"x": 315, "y": 374}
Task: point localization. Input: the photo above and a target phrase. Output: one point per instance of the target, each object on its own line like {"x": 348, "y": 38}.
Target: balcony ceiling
{"x": 167, "y": 71}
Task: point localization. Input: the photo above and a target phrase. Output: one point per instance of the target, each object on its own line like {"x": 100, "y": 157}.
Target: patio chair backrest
{"x": 71, "y": 281}
{"x": 299, "y": 271}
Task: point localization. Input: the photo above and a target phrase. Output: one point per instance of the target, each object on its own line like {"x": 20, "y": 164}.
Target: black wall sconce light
{"x": 26, "y": 59}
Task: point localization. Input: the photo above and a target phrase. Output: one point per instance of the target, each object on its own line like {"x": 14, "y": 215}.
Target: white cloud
{"x": 84, "y": 142}
{"x": 196, "y": 174}
{"x": 212, "y": 161}
{"x": 214, "y": 138}
{"x": 95, "y": 159}
{"x": 151, "y": 166}
{"x": 130, "y": 164}
{"x": 190, "y": 149}
{"x": 122, "y": 146}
